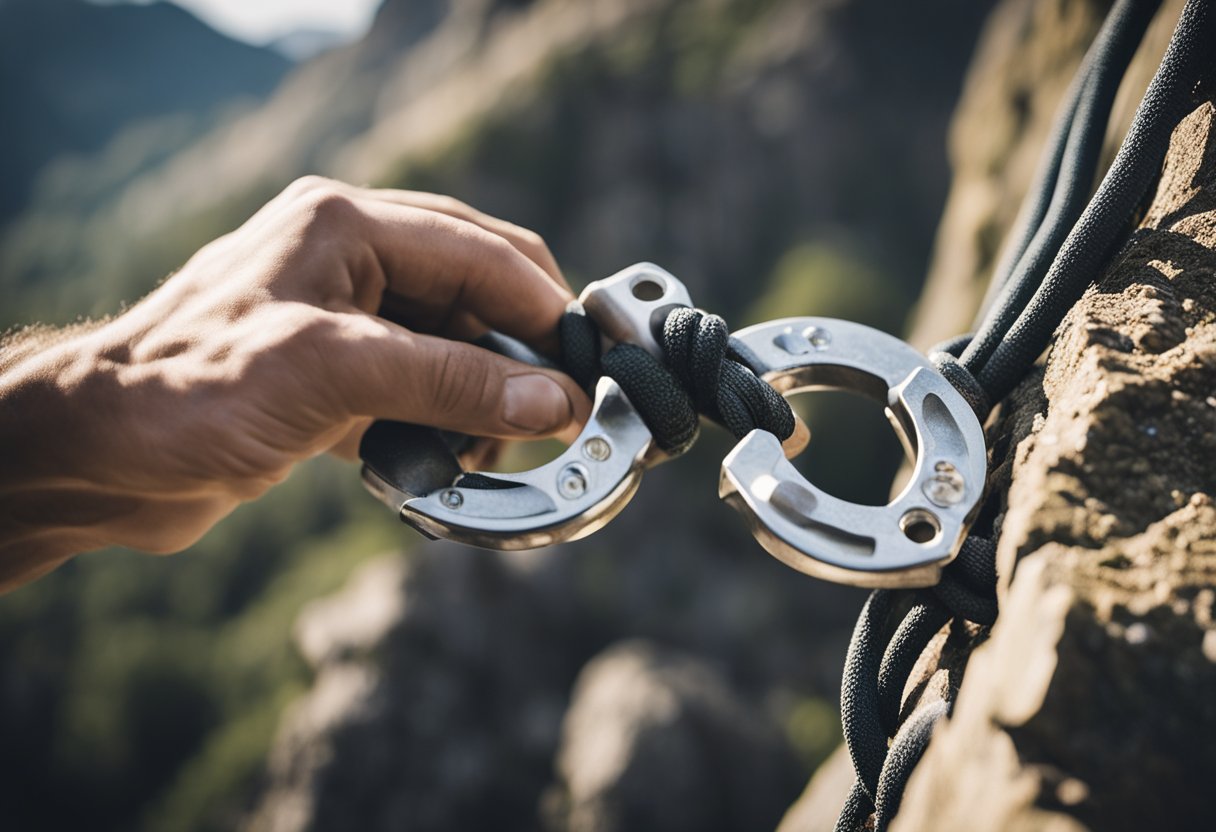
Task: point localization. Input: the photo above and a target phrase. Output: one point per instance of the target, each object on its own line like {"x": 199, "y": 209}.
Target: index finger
{"x": 446, "y": 263}
{"x": 529, "y": 243}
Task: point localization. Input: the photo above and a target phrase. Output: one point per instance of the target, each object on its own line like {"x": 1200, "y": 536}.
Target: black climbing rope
{"x": 705, "y": 372}
{"x": 1062, "y": 242}
{"x": 1040, "y": 291}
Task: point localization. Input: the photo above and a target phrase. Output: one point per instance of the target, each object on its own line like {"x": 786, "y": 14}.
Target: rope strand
{"x": 702, "y": 375}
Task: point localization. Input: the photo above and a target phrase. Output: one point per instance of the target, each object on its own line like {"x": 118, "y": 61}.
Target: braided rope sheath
{"x": 1093, "y": 240}
{"x": 911, "y": 637}
{"x": 702, "y": 376}
{"x": 961, "y": 378}
{"x": 906, "y": 750}
{"x": 580, "y": 340}
{"x": 698, "y": 347}
{"x": 658, "y": 397}
{"x": 1078, "y": 142}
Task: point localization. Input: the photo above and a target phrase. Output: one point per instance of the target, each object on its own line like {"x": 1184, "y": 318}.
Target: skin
{"x": 333, "y": 305}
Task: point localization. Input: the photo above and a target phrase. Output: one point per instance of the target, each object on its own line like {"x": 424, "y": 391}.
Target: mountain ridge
{"x": 73, "y": 74}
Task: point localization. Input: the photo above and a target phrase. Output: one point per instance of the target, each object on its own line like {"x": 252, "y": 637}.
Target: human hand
{"x": 265, "y": 349}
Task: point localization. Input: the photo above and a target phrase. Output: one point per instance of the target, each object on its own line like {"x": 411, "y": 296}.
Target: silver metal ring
{"x": 902, "y": 544}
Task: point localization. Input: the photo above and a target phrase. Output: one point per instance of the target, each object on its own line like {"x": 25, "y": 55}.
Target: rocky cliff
{"x": 1094, "y": 703}
{"x": 1089, "y": 705}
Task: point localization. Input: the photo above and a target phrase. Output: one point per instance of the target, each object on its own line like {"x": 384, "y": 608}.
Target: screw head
{"x": 597, "y": 448}
{"x": 452, "y": 499}
{"x": 572, "y": 482}
{"x": 817, "y": 337}
{"x": 946, "y": 486}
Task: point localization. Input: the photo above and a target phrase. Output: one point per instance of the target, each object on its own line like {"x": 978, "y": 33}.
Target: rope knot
{"x": 704, "y": 374}
{"x": 698, "y": 348}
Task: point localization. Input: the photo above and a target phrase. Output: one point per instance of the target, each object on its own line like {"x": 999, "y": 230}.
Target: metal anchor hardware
{"x": 902, "y": 544}
{"x": 416, "y": 473}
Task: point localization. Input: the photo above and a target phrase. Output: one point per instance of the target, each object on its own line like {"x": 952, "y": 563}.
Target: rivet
{"x": 597, "y": 448}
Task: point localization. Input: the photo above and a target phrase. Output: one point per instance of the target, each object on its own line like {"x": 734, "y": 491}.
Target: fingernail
{"x": 535, "y": 403}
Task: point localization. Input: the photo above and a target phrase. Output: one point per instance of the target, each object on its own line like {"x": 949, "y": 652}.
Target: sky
{"x": 259, "y": 21}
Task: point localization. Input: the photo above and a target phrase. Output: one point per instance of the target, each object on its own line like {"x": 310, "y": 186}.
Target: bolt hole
{"x": 920, "y": 526}
{"x": 647, "y": 289}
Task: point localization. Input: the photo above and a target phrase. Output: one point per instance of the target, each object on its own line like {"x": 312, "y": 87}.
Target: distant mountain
{"x": 713, "y": 139}
{"x": 72, "y": 74}
{"x": 302, "y": 44}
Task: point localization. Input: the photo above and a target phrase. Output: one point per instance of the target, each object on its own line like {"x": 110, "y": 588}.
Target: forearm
{"x": 50, "y": 509}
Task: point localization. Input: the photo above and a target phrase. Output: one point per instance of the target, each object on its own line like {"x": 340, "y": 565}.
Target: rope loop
{"x": 966, "y": 383}
{"x": 657, "y": 396}
{"x": 580, "y": 340}
{"x": 702, "y": 375}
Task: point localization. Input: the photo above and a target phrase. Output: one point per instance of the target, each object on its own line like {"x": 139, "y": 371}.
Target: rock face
{"x": 1094, "y": 703}
{"x": 450, "y": 683}
{"x": 1027, "y": 56}
{"x": 642, "y": 717}
{"x": 437, "y": 703}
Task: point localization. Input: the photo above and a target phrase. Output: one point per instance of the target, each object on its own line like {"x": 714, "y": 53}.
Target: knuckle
{"x": 497, "y": 249}
{"x": 533, "y": 241}
{"x": 451, "y": 205}
{"x": 326, "y": 208}
{"x": 329, "y": 204}
{"x": 534, "y": 246}
{"x": 307, "y": 184}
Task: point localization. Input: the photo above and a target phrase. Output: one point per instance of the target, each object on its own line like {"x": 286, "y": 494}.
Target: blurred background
{"x": 781, "y": 157}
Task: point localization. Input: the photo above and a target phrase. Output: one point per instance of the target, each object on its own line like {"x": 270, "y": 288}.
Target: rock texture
{"x": 655, "y": 739}
{"x": 437, "y": 702}
{"x": 464, "y": 689}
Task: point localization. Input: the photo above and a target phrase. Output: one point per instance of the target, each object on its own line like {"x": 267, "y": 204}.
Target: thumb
{"x": 456, "y": 386}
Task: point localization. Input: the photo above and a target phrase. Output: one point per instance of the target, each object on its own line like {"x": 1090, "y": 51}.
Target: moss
{"x": 813, "y": 730}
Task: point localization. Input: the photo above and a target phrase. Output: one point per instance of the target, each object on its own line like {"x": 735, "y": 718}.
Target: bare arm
{"x": 266, "y": 349}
